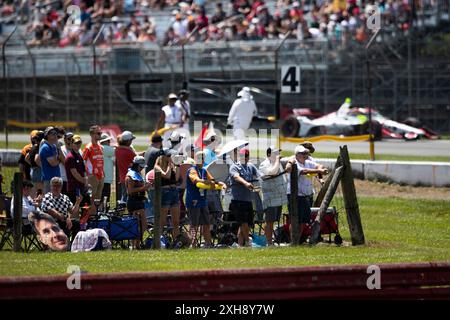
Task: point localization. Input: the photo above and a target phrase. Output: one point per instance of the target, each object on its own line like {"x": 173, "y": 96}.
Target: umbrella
{"x": 230, "y": 146}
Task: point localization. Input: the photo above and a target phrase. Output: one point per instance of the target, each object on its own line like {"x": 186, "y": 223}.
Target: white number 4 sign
{"x": 290, "y": 79}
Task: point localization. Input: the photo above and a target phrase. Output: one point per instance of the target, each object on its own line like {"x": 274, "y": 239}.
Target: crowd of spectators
{"x": 50, "y": 23}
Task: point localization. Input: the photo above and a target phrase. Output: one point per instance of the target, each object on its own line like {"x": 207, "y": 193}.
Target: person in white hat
{"x": 171, "y": 117}
{"x": 175, "y": 140}
{"x": 274, "y": 187}
{"x": 124, "y": 158}
{"x": 241, "y": 113}
{"x": 305, "y": 187}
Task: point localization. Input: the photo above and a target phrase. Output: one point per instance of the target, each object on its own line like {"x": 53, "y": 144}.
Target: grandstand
{"x": 84, "y": 82}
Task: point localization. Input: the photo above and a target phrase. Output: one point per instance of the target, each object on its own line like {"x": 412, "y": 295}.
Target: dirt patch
{"x": 382, "y": 189}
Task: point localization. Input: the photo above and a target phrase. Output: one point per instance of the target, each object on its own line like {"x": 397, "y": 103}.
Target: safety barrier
{"x": 397, "y": 281}
{"x": 39, "y": 125}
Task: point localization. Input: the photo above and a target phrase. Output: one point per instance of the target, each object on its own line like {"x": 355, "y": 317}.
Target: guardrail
{"x": 398, "y": 281}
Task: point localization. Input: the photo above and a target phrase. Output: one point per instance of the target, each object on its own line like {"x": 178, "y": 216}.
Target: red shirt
{"x": 93, "y": 155}
{"x": 124, "y": 160}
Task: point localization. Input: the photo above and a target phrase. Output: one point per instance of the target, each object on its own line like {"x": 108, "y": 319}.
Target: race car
{"x": 350, "y": 121}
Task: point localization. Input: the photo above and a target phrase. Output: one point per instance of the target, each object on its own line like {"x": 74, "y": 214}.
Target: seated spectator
{"x": 60, "y": 207}
{"x": 29, "y": 205}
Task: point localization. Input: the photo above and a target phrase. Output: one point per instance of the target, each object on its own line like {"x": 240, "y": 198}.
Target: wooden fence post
{"x": 156, "y": 244}
{"x": 295, "y": 230}
{"x": 17, "y": 214}
{"x": 325, "y": 203}
{"x": 326, "y": 184}
{"x": 350, "y": 200}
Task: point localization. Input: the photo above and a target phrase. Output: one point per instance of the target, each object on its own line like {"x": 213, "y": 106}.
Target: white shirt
{"x": 241, "y": 113}
{"x": 173, "y": 115}
{"x": 184, "y": 105}
{"x": 27, "y": 208}
{"x": 305, "y": 185}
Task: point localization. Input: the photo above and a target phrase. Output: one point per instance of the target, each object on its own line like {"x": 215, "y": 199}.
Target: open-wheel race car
{"x": 350, "y": 121}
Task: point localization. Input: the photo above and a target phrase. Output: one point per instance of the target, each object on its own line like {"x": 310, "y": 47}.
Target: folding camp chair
{"x": 28, "y": 240}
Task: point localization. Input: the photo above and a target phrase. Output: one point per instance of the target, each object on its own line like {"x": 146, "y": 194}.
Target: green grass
{"x": 396, "y": 230}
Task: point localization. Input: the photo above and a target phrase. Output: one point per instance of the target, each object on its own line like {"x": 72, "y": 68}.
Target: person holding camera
{"x": 136, "y": 188}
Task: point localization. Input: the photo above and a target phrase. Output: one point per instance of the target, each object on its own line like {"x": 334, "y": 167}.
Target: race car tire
{"x": 290, "y": 127}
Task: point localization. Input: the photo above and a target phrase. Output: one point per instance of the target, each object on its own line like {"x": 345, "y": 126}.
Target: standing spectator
{"x": 108, "y": 166}
{"x": 242, "y": 173}
{"x": 136, "y": 188}
{"x": 153, "y": 152}
{"x": 305, "y": 186}
{"x": 24, "y": 166}
{"x": 274, "y": 190}
{"x": 184, "y": 104}
{"x": 35, "y": 171}
{"x": 124, "y": 158}
{"x": 219, "y": 14}
{"x": 50, "y": 156}
{"x": 77, "y": 179}
{"x": 68, "y": 138}
{"x": 171, "y": 117}
{"x": 60, "y": 207}
{"x": 93, "y": 157}
{"x": 196, "y": 202}
{"x": 202, "y": 20}
{"x": 170, "y": 174}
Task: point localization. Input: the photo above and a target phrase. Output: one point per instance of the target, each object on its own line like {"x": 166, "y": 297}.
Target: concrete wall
{"x": 436, "y": 174}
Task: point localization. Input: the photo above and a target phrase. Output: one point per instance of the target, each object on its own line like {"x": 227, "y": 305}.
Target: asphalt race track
{"x": 393, "y": 147}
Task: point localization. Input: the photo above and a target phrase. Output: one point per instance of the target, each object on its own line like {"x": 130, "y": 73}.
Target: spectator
{"x": 175, "y": 140}
{"x": 171, "y": 117}
{"x": 274, "y": 188}
{"x": 136, "y": 188}
{"x": 170, "y": 174}
{"x": 242, "y": 112}
{"x": 93, "y": 157}
{"x": 153, "y": 152}
{"x": 50, "y": 155}
{"x": 32, "y": 158}
{"x": 108, "y": 165}
{"x": 196, "y": 202}
{"x": 124, "y": 158}
{"x": 305, "y": 187}
{"x": 60, "y": 207}
{"x": 219, "y": 14}
{"x": 77, "y": 179}
{"x": 184, "y": 104}
{"x": 24, "y": 166}
{"x": 242, "y": 173}
{"x": 29, "y": 205}
{"x": 68, "y": 139}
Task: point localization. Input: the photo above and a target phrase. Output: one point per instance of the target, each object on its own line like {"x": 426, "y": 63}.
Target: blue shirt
{"x": 248, "y": 172}
{"x": 195, "y": 197}
{"x": 210, "y": 156}
{"x": 48, "y": 150}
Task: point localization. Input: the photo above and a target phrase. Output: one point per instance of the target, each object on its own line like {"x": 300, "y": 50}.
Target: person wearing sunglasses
{"x": 49, "y": 157}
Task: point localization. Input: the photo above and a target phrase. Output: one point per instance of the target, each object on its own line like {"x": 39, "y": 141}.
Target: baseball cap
{"x": 140, "y": 160}
{"x": 273, "y": 149}
{"x": 76, "y": 138}
{"x": 127, "y": 136}
{"x": 300, "y": 149}
{"x": 172, "y": 96}
{"x": 156, "y": 138}
{"x": 308, "y": 145}
{"x": 50, "y": 130}
{"x": 34, "y": 133}
{"x": 68, "y": 135}
{"x": 176, "y": 136}
{"x": 183, "y": 91}
{"x": 104, "y": 137}
{"x": 209, "y": 135}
